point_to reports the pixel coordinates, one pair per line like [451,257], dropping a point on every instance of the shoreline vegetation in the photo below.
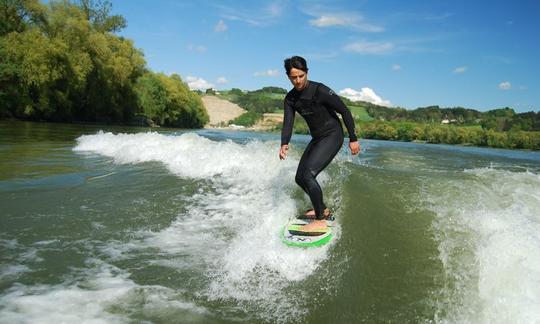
[498,128]
[63,62]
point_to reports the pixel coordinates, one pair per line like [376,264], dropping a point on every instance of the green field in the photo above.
[360,113]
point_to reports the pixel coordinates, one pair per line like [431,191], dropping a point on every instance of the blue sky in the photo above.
[474,54]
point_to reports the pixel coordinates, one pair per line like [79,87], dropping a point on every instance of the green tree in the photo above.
[152,97]
[236,92]
[246,119]
[98,13]
[405,132]
[168,101]
[185,107]
[18,15]
[65,67]
[497,139]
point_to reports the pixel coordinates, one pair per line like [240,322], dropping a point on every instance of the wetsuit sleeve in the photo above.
[330,99]
[288,121]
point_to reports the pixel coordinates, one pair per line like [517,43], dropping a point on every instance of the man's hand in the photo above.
[355,147]
[283,151]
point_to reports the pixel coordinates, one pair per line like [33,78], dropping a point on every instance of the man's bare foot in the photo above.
[314,226]
[310,213]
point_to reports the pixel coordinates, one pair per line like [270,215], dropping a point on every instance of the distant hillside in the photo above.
[270,100]
[503,119]
[500,128]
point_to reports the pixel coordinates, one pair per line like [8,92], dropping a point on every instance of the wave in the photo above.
[104,296]
[230,229]
[488,228]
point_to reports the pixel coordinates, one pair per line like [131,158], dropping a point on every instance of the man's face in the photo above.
[298,79]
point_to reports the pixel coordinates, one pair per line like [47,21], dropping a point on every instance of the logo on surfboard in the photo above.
[302,239]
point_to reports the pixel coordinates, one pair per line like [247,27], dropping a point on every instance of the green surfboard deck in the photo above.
[298,239]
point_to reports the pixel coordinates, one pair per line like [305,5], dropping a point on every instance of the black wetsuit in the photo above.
[318,105]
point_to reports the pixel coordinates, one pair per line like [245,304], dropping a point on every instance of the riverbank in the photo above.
[222,111]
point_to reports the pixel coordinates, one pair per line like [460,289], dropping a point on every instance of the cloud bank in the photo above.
[365,94]
[195,83]
[324,18]
[255,15]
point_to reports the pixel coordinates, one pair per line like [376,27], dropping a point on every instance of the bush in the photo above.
[247,119]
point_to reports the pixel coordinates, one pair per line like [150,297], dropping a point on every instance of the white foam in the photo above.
[8,271]
[232,226]
[106,296]
[187,155]
[25,256]
[489,232]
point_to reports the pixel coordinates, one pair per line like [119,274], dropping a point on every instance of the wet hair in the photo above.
[296,62]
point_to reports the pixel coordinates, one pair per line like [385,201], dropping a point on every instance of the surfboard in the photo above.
[292,236]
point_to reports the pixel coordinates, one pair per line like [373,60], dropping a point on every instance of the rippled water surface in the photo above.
[122,225]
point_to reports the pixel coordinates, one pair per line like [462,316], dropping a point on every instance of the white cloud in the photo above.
[195,83]
[396,67]
[327,21]
[506,85]
[461,69]
[267,73]
[326,18]
[222,80]
[220,27]
[365,94]
[197,48]
[363,47]
[256,15]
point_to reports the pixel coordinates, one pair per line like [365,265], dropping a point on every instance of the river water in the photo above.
[124,225]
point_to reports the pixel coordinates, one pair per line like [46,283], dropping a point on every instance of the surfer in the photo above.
[318,105]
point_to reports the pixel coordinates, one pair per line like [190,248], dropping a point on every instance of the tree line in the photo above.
[256,103]
[449,134]
[62,61]
[503,119]
[259,101]
[499,128]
